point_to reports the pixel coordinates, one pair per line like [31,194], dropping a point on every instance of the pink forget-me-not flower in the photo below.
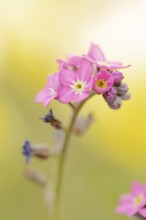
[133,203]
[76,84]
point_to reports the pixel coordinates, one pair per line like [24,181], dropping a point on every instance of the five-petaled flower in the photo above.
[103,81]
[76,84]
[133,203]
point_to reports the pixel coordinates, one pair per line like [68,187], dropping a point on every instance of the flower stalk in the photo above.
[63,157]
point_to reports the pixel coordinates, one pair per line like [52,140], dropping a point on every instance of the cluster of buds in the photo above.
[116,94]
[80,76]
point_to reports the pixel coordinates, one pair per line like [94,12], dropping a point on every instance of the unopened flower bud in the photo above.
[82,124]
[27,151]
[126,96]
[36,177]
[122,89]
[116,104]
[49,118]
[118,77]
[41,151]
[110,95]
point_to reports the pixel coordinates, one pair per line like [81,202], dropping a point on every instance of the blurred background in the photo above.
[101,164]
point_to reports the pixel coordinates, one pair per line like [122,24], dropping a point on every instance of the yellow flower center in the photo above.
[101,83]
[138,200]
[79,86]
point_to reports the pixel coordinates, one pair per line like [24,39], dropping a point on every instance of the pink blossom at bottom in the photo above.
[134,202]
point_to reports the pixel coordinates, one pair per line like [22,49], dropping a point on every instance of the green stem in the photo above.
[63,156]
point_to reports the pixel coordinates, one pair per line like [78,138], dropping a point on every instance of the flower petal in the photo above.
[96,53]
[40,97]
[85,71]
[48,99]
[66,94]
[115,64]
[143,212]
[80,96]
[53,81]
[137,188]
[67,77]
[75,60]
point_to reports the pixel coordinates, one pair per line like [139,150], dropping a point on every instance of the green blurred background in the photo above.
[100,164]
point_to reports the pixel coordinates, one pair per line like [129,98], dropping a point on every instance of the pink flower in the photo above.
[134,202]
[96,56]
[103,81]
[50,91]
[76,84]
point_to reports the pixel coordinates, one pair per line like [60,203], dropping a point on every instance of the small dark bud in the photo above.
[126,96]
[116,104]
[27,151]
[110,95]
[122,89]
[49,118]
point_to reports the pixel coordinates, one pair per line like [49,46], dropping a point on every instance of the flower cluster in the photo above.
[134,203]
[80,76]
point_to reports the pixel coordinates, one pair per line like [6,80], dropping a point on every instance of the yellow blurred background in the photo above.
[102,163]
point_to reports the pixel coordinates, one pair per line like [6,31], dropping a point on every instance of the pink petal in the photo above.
[137,188]
[48,100]
[40,97]
[53,81]
[115,64]
[124,208]
[75,60]
[126,198]
[67,77]
[85,71]
[80,96]
[132,211]
[96,53]
[143,212]
[66,94]
[89,84]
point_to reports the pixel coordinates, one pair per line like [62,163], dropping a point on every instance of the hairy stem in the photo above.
[63,156]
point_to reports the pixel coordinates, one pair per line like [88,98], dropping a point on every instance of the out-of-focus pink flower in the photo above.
[103,82]
[76,84]
[96,56]
[50,91]
[134,202]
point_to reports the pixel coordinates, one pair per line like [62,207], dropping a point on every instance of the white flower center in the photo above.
[78,86]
